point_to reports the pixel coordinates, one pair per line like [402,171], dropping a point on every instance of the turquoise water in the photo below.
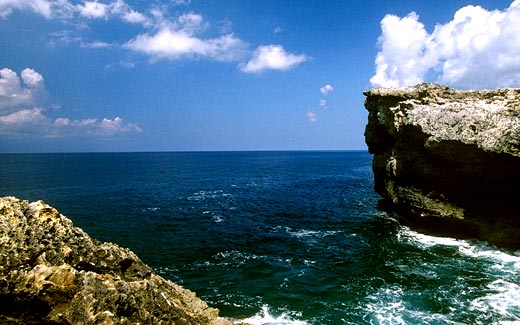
[274,237]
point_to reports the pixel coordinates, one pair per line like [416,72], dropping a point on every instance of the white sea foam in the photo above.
[207,195]
[264,317]
[504,299]
[426,241]
[235,258]
[304,233]
[503,290]
[478,250]
[154,209]
[386,306]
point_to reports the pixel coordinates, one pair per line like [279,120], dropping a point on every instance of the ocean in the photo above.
[274,237]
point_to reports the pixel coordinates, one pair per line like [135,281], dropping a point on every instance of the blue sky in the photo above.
[231,75]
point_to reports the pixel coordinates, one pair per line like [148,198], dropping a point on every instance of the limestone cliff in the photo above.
[53,273]
[449,160]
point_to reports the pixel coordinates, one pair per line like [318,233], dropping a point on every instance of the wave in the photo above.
[488,287]
[265,317]
[502,299]
[207,195]
[389,306]
[304,234]
[472,249]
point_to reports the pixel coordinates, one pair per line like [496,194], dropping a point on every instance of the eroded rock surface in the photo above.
[449,160]
[53,273]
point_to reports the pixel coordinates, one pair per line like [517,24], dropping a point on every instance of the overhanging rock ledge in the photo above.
[448,160]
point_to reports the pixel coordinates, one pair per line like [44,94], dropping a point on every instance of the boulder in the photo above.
[448,161]
[53,273]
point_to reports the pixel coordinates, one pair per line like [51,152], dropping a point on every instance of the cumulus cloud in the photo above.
[32,78]
[46,8]
[24,116]
[25,122]
[93,9]
[175,40]
[16,92]
[16,119]
[272,57]
[326,89]
[118,8]
[104,127]
[134,17]
[163,38]
[65,9]
[476,49]
[171,44]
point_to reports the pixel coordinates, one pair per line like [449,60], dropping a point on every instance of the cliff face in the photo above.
[54,273]
[449,160]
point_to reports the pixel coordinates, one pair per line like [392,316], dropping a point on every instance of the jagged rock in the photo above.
[53,273]
[449,160]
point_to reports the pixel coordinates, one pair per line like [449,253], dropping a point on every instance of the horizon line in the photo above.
[185,151]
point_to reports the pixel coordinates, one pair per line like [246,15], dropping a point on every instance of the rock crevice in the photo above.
[449,160]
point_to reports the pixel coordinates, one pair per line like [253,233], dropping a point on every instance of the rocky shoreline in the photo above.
[448,160]
[53,273]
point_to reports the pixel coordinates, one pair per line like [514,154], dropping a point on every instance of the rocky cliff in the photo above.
[53,273]
[449,160]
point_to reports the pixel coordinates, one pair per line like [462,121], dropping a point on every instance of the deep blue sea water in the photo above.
[274,237]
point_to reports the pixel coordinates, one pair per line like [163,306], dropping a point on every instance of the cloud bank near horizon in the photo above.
[476,49]
[19,93]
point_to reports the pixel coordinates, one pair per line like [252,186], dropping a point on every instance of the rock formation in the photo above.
[53,273]
[449,160]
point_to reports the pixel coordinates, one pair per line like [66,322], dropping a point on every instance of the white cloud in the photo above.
[14,93]
[25,122]
[46,8]
[93,9]
[272,57]
[24,116]
[326,89]
[9,84]
[65,9]
[96,44]
[477,49]
[163,38]
[178,39]
[180,2]
[312,116]
[32,78]
[118,8]
[16,119]
[125,63]
[110,127]
[134,17]
[104,127]
[191,23]
[171,43]
[323,104]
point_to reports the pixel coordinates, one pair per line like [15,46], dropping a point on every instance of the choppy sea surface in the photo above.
[274,237]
